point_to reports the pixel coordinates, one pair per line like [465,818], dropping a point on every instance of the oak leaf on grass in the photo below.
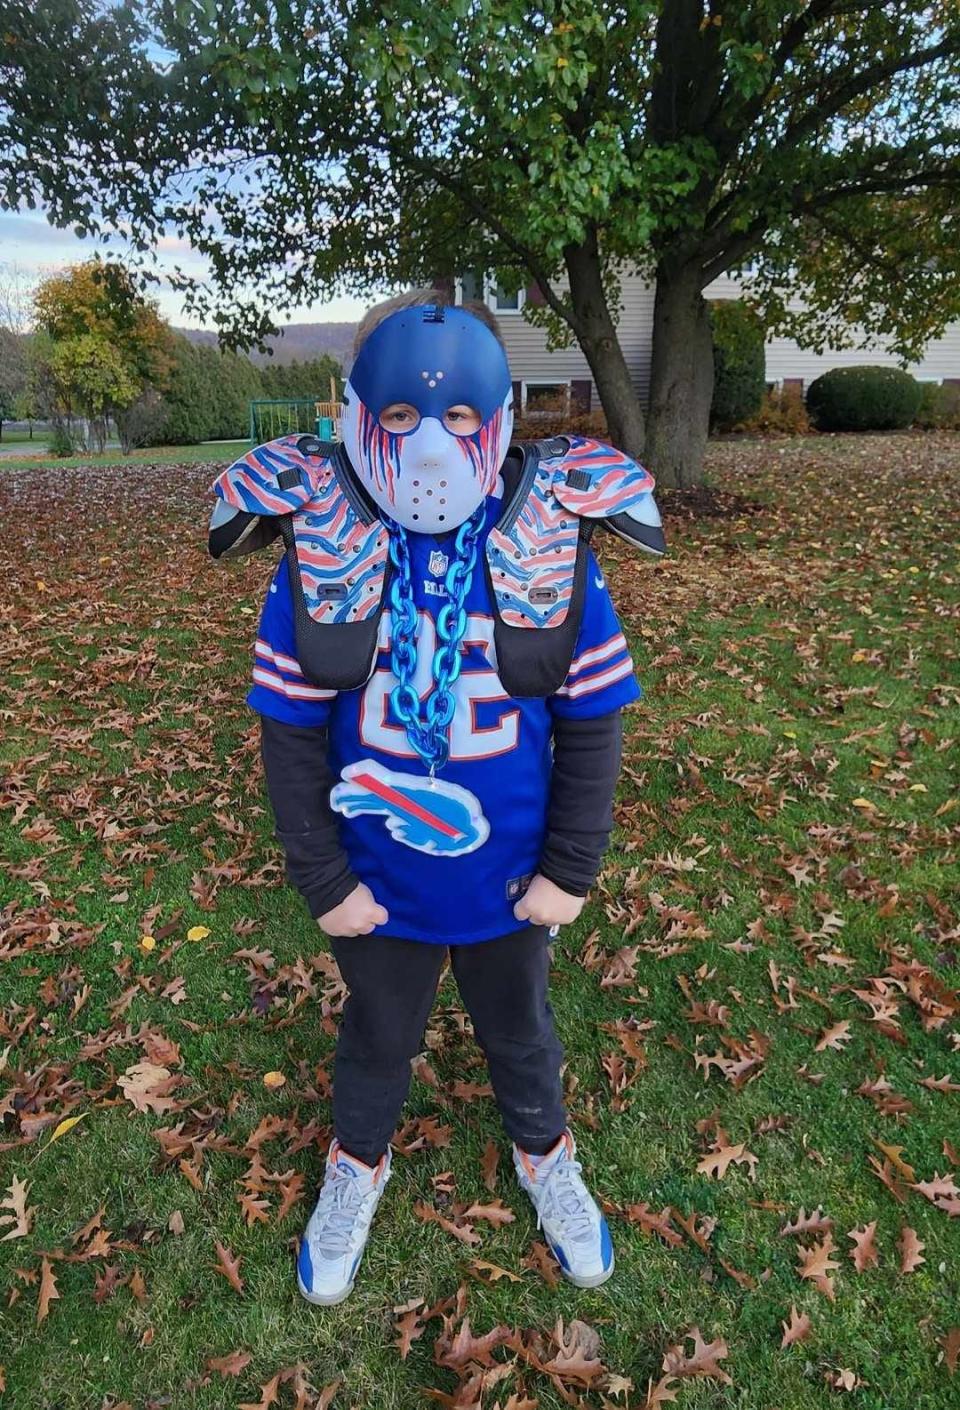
[20,1217]
[911,1249]
[797,1329]
[48,1290]
[702,1361]
[864,1252]
[228,1266]
[817,1265]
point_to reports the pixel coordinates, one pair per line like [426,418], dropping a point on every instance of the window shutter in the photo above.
[517,398]
[580,396]
[446,283]
[534,294]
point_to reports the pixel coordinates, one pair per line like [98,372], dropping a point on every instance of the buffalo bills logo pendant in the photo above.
[426,814]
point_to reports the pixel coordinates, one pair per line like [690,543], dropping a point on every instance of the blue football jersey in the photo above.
[448,861]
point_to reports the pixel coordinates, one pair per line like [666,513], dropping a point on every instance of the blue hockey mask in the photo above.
[428,415]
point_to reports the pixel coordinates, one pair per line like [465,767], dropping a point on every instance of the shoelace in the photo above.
[563,1198]
[341,1201]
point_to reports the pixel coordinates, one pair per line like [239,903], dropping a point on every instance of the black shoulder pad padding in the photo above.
[244,533]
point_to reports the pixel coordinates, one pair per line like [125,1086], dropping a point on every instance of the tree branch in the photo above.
[859,84]
[748,240]
[491,221]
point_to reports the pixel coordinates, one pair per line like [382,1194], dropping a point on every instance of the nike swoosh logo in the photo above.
[598,582]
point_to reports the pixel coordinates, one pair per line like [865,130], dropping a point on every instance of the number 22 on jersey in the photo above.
[486,721]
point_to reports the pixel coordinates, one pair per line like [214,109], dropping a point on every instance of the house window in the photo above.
[545,398]
[470,285]
[502,302]
[473,284]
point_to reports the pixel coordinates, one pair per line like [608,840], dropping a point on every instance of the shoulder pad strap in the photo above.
[595,480]
[278,477]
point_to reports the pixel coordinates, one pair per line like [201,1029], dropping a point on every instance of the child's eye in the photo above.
[399,416]
[463,420]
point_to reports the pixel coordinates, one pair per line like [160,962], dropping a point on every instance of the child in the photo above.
[437,780]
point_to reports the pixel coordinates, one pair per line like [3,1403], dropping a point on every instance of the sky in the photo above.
[34,247]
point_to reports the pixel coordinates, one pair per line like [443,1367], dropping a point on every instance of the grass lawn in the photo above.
[11,437]
[759,1005]
[212,452]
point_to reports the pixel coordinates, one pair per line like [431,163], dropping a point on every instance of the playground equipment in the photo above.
[287,416]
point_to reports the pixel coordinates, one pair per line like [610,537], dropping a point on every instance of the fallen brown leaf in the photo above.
[864,1252]
[228,1267]
[702,1361]
[48,1290]
[910,1248]
[21,1217]
[798,1328]
[230,1365]
[816,1264]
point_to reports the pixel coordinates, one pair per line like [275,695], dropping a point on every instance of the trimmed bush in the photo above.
[939,407]
[739,363]
[782,414]
[554,418]
[864,398]
[61,441]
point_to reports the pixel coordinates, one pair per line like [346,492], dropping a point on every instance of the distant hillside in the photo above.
[298,340]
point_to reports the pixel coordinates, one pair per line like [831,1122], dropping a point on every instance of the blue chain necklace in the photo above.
[429,736]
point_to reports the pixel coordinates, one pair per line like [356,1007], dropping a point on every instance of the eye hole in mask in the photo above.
[400,418]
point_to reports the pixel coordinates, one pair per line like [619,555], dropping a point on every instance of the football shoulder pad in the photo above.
[336,552]
[596,481]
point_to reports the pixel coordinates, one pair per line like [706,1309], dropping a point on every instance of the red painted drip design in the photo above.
[405,804]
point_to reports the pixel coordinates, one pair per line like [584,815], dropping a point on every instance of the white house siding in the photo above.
[941,359]
[530,361]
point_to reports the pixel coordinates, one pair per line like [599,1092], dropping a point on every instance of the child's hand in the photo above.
[357,914]
[545,904]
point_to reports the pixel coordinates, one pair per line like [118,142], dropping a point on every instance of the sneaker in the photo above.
[336,1235]
[571,1220]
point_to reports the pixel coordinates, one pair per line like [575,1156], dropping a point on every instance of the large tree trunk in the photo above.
[597,335]
[681,379]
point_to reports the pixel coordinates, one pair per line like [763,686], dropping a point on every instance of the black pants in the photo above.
[392,983]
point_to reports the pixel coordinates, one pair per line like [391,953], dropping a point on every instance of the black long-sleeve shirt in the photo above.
[586,764]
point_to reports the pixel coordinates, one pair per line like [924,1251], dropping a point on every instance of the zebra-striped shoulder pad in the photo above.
[532,551]
[337,553]
[278,477]
[595,480]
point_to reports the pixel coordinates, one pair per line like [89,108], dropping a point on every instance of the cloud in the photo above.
[37,248]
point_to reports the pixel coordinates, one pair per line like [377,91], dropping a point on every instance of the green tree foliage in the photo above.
[13,375]
[307,378]
[555,144]
[739,362]
[107,343]
[234,382]
[188,398]
[864,398]
[209,392]
[91,374]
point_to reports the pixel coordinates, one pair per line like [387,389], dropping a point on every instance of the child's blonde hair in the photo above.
[410,299]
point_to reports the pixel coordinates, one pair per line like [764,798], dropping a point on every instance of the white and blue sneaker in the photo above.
[336,1234]
[571,1220]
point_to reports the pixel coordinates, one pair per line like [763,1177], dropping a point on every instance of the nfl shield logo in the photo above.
[438,563]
